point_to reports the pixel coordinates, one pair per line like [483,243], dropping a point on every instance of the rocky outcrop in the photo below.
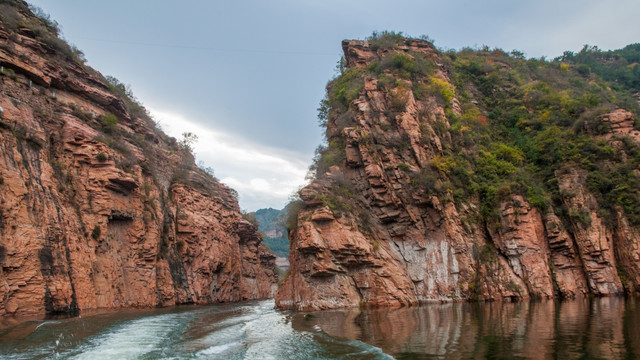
[384,227]
[98,208]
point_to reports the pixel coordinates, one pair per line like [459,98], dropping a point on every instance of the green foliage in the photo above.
[80,114]
[291,210]
[115,143]
[327,156]
[521,122]
[95,233]
[619,66]
[284,277]
[323,112]
[617,185]
[279,245]
[188,141]
[487,254]
[404,167]
[101,157]
[404,65]
[10,74]
[443,89]
[15,14]
[580,216]
[134,107]
[270,221]
[541,117]
[109,123]
[399,98]
[345,88]
[385,40]
[251,217]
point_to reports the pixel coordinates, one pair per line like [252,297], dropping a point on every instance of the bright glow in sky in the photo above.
[263,176]
[246,76]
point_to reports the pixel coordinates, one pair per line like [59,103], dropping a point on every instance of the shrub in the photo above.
[251,217]
[443,89]
[109,123]
[81,114]
[385,40]
[345,88]
[101,157]
[188,141]
[10,74]
[95,233]
[399,98]
[580,216]
[583,69]
[292,210]
[404,65]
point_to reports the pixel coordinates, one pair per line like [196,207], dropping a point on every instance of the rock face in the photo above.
[98,208]
[377,229]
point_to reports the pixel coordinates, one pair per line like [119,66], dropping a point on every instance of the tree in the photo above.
[188,140]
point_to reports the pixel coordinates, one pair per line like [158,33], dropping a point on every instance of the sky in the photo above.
[247,76]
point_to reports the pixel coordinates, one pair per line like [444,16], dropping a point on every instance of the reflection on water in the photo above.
[599,328]
[583,329]
[249,330]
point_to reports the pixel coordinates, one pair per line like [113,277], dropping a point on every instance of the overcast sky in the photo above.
[247,76]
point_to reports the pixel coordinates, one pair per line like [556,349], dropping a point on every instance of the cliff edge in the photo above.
[470,175]
[98,207]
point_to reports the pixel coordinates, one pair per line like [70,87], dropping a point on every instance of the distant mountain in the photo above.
[275,233]
[270,224]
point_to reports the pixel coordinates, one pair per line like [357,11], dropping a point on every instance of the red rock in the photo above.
[396,245]
[90,220]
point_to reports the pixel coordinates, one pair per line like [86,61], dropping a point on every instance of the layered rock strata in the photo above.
[366,235]
[100,209]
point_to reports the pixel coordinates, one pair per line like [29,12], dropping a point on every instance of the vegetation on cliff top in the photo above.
[515,123]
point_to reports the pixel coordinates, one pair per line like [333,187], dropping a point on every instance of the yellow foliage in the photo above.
[446,90]
[442,164]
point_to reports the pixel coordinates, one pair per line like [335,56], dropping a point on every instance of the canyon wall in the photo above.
[99,208]
[404,209]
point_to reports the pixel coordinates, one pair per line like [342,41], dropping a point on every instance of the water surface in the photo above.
[606,328]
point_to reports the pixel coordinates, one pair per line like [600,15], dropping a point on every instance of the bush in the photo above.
[385,40]
[443,89]
[109,123]
[101,157]
[95,234]
[580,216]
[405,65]
[399,98]
[345,88]
[291,210]
[251,217]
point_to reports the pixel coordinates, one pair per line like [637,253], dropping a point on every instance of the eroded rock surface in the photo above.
[380,229]
[100,215]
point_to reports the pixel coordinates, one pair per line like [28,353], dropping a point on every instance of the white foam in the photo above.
[219,349]
[131,340]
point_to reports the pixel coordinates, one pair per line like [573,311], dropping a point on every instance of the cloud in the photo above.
[263,176]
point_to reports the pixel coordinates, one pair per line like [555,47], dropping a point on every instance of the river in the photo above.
[581,329]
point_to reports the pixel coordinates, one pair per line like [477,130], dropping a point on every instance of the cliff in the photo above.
[470,175]
[99,208]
